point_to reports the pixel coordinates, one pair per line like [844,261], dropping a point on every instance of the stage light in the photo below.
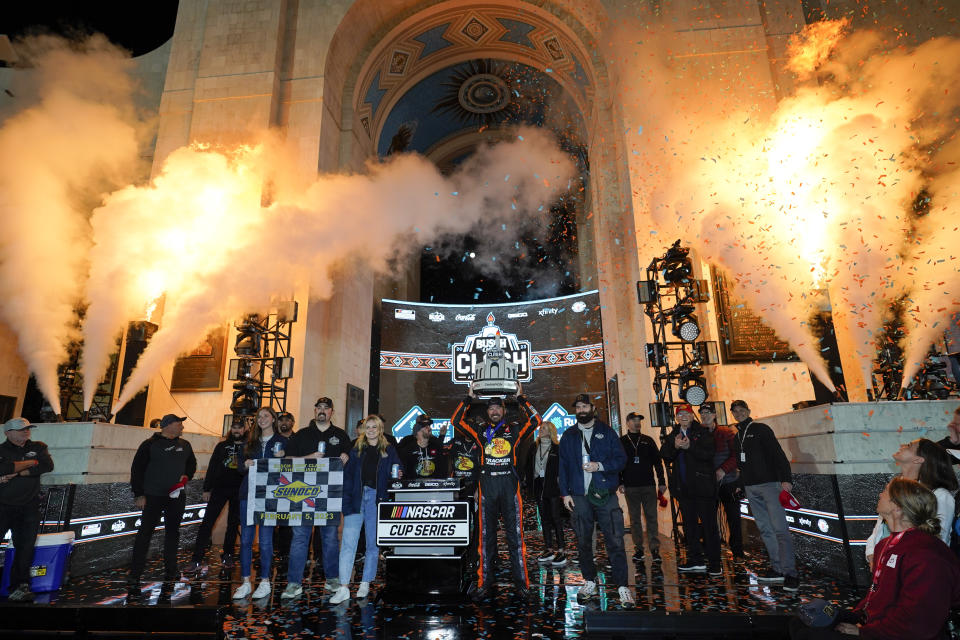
[685,324]
[246,398]
[282,368]
[660,414]
[647,291]
[656,356]
[693,387]
[676,264]
[707,352]
[248,337]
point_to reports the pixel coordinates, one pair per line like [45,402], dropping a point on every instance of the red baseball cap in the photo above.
[683,407]
[788,501]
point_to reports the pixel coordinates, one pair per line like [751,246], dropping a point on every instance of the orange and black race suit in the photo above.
[499,490]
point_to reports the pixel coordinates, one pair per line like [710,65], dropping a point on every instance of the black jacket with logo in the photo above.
[159,464]
[643,459]
[307,441]
[21,489]
[226,469]
[694,477]
[463,455]
[412,455]
[762,459]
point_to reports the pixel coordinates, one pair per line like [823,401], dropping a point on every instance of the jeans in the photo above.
[610,518]
[172,511]
[218,498]
[731,507]
[247,532]
[300,547]
[366,519]
[772,522]
[23,523]
[645,499]
[550,517]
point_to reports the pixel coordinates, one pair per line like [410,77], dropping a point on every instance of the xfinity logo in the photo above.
[436,316]
[466,317]
[549,311]
[468,355]
[405,314]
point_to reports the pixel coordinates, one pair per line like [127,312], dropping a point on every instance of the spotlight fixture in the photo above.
[693,386]
[246,398]
[248,337]
[707,352]
[676,264]
[647,291]
[660,414]
[685,324]
[656,355]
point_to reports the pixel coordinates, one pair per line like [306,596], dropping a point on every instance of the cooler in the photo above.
[50,560]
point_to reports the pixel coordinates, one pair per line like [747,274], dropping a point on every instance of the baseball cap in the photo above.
[818,613]
[423,420]
[324,400]
[495,400]
[634,414]
[582,397]
[170,419]
[707,406]
[16,424]
[683,407]
[788,501]
[284,414]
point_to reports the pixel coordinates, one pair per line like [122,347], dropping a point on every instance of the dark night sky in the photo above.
[137,26]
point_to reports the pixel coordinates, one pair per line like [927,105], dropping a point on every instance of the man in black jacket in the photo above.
[638,486]
[690,447]
[161,468]
[421,453]
[765,471]
[221,488]
[22,462]
[319,439]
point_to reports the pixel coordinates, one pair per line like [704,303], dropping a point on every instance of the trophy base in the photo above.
[491,388]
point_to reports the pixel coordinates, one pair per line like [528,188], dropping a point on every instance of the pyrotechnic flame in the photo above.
[812,47]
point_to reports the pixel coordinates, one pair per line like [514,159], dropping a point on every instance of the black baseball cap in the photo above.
[423,420]
[707,406]
[284,414]
[584,398]
[495,400]
[170,419]
[818,613]
[324,400]
[634,414]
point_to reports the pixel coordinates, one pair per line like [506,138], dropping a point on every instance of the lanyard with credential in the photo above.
[881,562]
[491,431]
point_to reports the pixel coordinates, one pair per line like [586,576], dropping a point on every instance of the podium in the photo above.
[429,530]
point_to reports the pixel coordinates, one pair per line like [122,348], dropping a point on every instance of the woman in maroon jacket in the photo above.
[916,578]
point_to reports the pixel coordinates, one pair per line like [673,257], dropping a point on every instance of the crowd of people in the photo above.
[503,451]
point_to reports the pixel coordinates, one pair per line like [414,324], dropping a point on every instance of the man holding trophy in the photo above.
[499,486]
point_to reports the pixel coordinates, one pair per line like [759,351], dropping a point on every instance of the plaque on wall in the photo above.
[202,368]
[743,335]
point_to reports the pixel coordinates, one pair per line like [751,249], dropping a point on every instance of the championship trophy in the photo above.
[496,376]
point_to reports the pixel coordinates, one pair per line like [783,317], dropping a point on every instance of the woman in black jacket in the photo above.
[542,469]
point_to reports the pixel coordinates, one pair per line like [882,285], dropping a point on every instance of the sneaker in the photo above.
[638,555]
[546,557]
[692,567]
[341,595]
[791,583]
[715,570]
[626,598]
[243,590]
[363,591]
[21,594]
[263,589]
[333,585]
[559,560]
[769,575]
[588,590]
[293,590]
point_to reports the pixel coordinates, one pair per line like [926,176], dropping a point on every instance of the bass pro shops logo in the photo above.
[296,491]
[468,355]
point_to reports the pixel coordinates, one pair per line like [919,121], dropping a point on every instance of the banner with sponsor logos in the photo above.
[294,491]
[429,353]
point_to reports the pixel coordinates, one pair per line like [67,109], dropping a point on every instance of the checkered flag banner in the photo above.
[295,491]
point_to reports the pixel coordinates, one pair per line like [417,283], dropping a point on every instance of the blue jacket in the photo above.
[353,479]
[605,448]
[258,453]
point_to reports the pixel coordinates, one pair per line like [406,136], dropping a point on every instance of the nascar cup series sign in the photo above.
[423,524]
[468,355]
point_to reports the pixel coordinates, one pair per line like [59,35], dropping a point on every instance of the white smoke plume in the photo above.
[69,131]
[199,235]
[809,194]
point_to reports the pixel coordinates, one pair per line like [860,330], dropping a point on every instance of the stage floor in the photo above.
[555,613]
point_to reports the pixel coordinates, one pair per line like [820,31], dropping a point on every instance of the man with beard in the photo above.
[321,433]
[421,453]
[591,459]
[220,488]
[285,424]
[499,487]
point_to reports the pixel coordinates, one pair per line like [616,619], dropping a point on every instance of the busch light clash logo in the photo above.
[468,355]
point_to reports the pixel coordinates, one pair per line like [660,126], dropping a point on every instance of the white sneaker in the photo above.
[342,595]
[588,590]
[263,589]
[332,585]
[243,590]
[363,591]
[292,591]
[626,598]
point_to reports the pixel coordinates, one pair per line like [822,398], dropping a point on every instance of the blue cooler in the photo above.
[50,560]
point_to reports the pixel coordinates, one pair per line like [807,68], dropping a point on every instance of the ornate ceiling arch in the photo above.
[446,34]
